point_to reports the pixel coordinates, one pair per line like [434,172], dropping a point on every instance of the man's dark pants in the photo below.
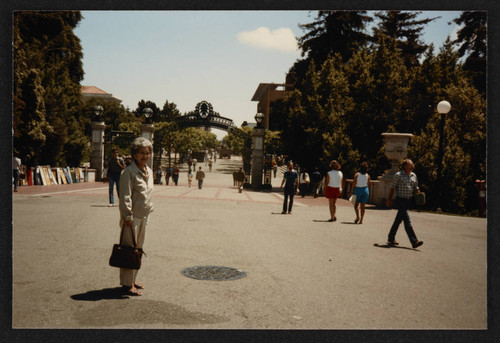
[288,193]
[15,173]
[402,205]
[114,178]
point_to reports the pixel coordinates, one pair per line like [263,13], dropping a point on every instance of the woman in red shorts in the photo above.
[333,188]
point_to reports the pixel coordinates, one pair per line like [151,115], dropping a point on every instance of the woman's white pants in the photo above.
[127,276]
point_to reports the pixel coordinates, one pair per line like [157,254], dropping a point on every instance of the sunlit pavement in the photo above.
[301,271]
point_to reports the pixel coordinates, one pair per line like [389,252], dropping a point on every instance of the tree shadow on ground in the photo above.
[387,246]
[102,294]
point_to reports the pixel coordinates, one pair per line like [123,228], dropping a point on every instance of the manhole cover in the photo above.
[214,273]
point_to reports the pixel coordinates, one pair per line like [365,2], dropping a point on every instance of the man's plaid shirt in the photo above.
[405,185]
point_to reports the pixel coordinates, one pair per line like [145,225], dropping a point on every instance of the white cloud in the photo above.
[280,39]
[454,33]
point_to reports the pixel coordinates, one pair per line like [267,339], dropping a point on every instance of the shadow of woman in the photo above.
[102,294]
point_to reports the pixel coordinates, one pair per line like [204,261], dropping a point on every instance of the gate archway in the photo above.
[204,116]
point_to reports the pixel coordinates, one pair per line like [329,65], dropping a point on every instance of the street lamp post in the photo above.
[98,126]
[257,151]
[147,129]
[443,108]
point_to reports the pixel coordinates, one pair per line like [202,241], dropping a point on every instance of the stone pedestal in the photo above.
[257,157]
[147,131]
[396,149]
[97,156]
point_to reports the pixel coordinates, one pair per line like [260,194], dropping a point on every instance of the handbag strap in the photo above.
[133,235]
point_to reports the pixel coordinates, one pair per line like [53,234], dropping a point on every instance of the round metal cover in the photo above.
[214,273]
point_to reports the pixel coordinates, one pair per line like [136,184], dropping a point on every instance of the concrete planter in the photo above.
[396,149]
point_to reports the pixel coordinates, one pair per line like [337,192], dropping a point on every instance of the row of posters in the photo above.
[45,175]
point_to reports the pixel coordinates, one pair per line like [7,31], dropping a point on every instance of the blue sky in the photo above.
[189,56]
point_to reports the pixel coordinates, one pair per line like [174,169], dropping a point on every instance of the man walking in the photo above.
[316,180]
[115,167]
[291,181]
[200,175]
[239,177]
[405,184]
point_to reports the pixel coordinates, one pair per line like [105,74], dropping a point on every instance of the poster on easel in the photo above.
[82,175]
[37,177]
[74,172]
[60,174]
[52,177]
[67,174]
[44,176]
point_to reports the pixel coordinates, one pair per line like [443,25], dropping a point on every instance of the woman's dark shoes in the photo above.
[393,242]
[417,244]
[356,221]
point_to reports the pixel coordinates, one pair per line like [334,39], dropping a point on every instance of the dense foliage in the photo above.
[47,120]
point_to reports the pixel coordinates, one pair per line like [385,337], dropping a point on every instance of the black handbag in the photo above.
[125,256]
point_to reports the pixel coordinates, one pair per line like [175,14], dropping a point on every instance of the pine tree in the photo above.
[379,86]
[402,28]
[333,32]
[472,39]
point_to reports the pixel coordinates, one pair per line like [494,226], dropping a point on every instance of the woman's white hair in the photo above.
[140,142]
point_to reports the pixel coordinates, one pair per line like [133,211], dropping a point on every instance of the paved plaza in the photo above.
[302,272]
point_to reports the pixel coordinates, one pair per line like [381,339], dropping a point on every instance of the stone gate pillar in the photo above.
[97,157]
[257,156]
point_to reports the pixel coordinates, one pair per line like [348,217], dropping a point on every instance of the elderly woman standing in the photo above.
[136,187]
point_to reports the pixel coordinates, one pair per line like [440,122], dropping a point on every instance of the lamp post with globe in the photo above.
[147,129]
[98,126]
[443,108]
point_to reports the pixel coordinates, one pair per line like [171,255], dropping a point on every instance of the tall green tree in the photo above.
[170,111]
[45,45]
[405,30]
[472,41]
[332,32]
[378,82]
[316,128]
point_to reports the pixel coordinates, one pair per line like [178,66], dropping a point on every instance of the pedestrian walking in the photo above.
[239,177]
[315,181]
[210,165]
[275,167]
[16,170]
[190,177]
[195,161]
[361,189]
[200,176]
[304,181]
[168,173]
[405,185]
[115,167]
[175,174]
[333,188]
[136,188]
[158,175]
[291,181]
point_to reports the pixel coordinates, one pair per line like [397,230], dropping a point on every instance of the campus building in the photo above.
[92,92]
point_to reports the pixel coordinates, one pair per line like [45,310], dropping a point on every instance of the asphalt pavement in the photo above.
[302,272]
